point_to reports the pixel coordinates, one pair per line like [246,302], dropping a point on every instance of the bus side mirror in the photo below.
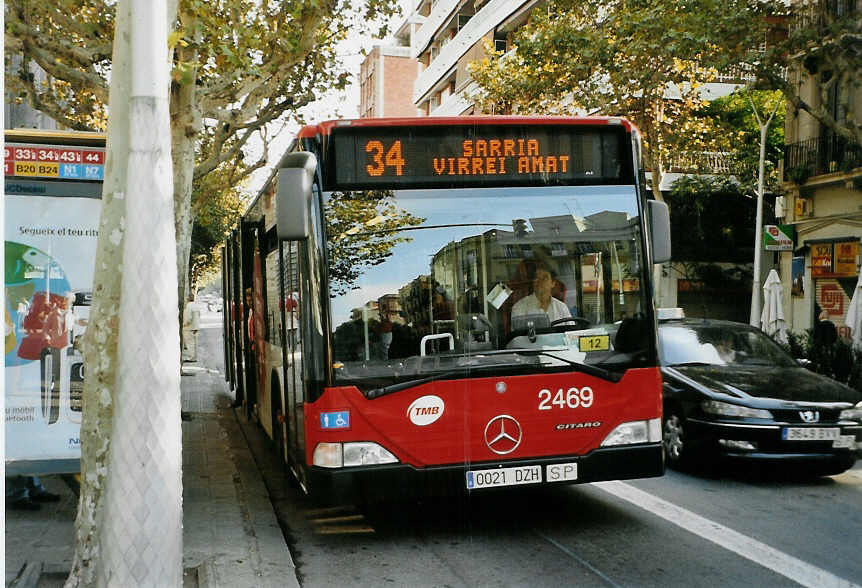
[659,219]
[293,199]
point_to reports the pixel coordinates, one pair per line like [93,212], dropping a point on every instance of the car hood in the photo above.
[780,383]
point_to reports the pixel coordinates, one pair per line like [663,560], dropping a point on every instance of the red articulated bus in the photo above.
[451,304]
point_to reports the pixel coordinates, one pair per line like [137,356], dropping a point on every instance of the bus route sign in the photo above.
[391,156]
[54,161]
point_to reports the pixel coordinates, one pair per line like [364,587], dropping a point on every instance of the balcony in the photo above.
[820,14]
[816,157]
[703,162]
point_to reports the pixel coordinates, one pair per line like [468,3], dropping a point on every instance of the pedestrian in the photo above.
[27,493]
[825,332]
[825,337]
[385,336]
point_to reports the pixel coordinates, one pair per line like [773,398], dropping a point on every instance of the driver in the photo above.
[541,300]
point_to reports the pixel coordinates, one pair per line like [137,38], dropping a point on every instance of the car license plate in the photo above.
[810,433]
[504,477]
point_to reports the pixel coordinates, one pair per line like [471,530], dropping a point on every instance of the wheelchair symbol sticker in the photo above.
[335,420]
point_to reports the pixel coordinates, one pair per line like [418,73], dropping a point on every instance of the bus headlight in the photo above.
[634,432]
[328,455]
[366,453]
[357,453]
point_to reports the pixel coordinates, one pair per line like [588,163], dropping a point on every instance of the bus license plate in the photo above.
[504,477]
[810,433]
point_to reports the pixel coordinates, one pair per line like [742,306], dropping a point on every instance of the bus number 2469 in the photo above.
[571,398]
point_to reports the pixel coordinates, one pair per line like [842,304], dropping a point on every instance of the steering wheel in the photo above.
[580,322]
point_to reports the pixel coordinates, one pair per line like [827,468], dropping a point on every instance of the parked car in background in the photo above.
[732,393]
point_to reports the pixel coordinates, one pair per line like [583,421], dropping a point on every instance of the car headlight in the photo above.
[733,410]
[634,432]
[851,414]
[336,455]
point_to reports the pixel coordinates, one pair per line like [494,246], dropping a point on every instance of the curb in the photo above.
[29,575]
[275,557]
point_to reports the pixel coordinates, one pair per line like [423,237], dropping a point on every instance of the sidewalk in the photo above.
[230,533]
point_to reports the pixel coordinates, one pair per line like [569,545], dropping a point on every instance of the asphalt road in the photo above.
[704,529]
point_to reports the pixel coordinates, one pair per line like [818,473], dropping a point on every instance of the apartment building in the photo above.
[453,34]
[822,180]
[387,74]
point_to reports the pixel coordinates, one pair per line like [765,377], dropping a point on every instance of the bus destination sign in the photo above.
[393,157]
[54,161]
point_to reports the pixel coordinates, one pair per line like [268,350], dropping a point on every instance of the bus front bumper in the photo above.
[400,481]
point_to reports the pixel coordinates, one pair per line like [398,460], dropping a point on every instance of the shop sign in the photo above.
[845,258]
[778,237]
[834,260]
[821,260]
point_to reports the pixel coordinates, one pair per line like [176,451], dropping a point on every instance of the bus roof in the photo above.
[324,128]
[55,137]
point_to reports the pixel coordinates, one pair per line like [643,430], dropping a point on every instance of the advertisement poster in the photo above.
[821,260]
[846,253]
[50,247]
[797,288]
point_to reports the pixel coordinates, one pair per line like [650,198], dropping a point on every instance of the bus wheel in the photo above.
[673,440]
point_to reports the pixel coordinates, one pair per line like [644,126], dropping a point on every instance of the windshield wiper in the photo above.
[383,391]
[693,364]
[494,368]
[581,367]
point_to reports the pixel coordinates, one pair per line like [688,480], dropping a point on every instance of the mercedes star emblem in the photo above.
[502,434]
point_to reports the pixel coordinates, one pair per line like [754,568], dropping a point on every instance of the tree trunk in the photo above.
[142,523]
[185,126]
[101,353]
[100,346]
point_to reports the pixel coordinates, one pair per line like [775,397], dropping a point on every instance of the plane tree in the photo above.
[238,66]
[648,60]
[819,40]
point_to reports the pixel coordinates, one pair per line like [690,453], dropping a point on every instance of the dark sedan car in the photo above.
[731,392]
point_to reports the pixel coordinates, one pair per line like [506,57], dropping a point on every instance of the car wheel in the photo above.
[673,440]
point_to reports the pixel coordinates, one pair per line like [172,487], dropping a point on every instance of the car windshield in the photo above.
[718,344]
[427,281]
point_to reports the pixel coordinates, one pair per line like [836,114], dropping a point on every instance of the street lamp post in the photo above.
[754,318]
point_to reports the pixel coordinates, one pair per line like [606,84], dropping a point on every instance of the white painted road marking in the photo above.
[760,553]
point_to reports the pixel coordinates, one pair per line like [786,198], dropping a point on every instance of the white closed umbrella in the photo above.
[772,318]
[854,314]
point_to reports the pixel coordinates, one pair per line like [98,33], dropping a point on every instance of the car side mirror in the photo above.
[659,222]
[293,196]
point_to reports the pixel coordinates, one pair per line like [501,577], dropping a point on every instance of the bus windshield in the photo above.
[485,281]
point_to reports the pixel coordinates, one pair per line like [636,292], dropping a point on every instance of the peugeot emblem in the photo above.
[809,416]
[502,434]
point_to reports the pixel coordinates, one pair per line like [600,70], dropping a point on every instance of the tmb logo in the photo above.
[425,410]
